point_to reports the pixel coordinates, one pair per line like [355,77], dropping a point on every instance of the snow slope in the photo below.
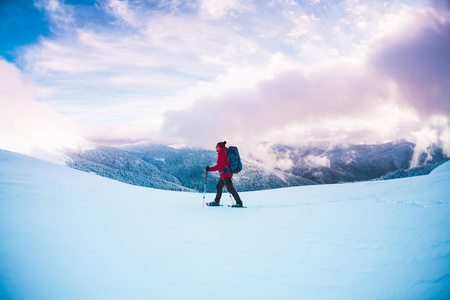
[66,234]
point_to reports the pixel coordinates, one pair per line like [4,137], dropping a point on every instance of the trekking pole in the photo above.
[231,199]
[204,193]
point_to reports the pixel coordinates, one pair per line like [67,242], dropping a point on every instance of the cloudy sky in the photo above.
[195,72]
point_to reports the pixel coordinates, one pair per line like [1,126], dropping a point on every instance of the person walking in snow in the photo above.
[222,167]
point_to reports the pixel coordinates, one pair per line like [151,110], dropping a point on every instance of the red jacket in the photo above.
[222,163]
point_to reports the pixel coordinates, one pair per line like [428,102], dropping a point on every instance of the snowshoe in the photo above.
[237,205]
[213,203]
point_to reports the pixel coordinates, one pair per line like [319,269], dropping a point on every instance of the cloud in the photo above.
[217,9]
[435,132]
[317,161]
[132,50]
[292,101]
[26,125]
[60,15]
[417,59]
[122,12]
[119,133]
[142,53]
[399,87]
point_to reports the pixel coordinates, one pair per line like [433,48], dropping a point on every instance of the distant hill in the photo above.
[417,171]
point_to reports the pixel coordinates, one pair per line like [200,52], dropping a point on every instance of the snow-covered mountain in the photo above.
[66,234]
[169,168]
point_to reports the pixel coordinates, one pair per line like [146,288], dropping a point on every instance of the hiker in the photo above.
[225,176]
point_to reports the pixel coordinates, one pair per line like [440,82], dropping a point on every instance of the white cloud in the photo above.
[317,161]
[217,9]
[26,125]
[119,133]
[435,132]
[122,11]
[371,99]
[341,96]
[156,64]
[59,14]
[416,57]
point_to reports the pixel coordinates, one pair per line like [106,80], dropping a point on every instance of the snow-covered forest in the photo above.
[169,168]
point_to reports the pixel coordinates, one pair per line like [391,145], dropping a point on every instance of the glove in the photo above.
[207,168]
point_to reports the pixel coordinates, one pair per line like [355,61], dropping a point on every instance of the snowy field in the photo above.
[65,234]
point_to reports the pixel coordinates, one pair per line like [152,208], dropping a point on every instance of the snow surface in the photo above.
[66,234]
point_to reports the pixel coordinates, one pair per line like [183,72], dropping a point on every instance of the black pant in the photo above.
[226,181]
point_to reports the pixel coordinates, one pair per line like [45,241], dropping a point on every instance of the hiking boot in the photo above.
[237,205]
[214,203]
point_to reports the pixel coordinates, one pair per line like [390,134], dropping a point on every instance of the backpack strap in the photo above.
[227,169]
